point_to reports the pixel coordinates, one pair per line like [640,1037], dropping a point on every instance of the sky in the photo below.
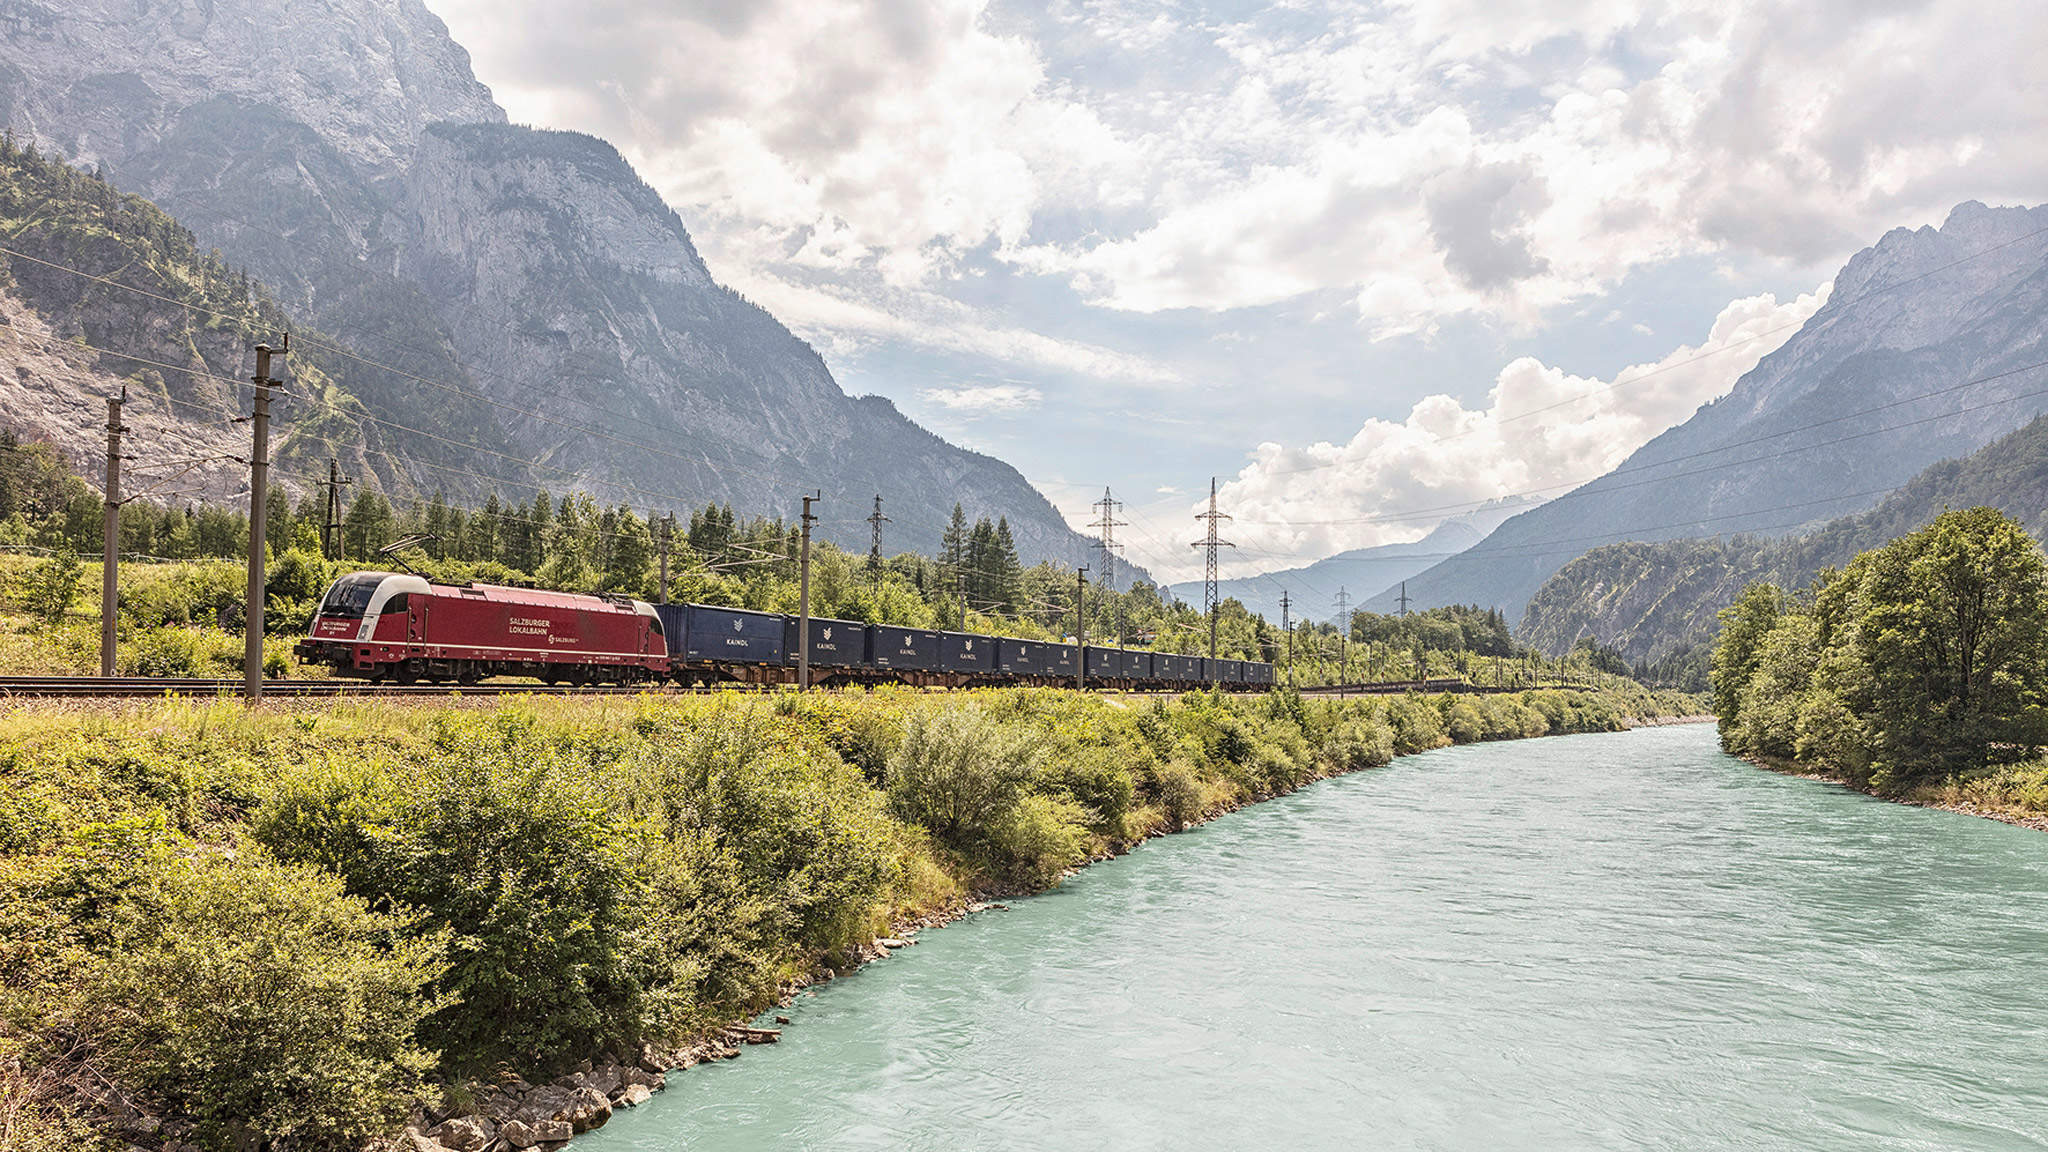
[1368,264]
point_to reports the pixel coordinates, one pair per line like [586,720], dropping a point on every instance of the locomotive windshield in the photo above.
[350,596]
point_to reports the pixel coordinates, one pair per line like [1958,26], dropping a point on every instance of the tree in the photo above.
[1953,627]
[1744,624]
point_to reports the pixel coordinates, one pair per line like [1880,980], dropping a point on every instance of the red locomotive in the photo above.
[386,625]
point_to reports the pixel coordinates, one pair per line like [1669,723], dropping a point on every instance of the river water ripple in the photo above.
[1627,941]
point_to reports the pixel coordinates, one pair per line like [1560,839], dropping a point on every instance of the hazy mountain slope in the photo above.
[357,166]
[171,325]
[1361,571]
[1649,599]
[1911,321]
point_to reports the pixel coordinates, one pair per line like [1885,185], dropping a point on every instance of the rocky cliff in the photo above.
[1928,348]
[526,312]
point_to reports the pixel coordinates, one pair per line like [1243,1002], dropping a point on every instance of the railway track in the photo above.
[1399,689]
[143,687]
[140,687]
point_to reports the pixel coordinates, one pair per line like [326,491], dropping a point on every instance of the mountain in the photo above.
[1930,346]
[1651,599]
[1313,588]
[523,311]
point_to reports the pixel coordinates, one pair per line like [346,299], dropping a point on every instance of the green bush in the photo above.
[49,588]
[959,774]
[264,1002]
[1417,725]
[1180,794]
[513,845]
[1041,838]
[1359,743]
[175,651]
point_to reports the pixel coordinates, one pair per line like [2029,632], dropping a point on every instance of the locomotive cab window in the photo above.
[350,596]
[398,603]
[654,623]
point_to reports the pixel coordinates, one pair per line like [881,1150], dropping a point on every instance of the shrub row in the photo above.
[286,925]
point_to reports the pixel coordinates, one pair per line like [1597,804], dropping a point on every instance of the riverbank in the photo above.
[2016,794]
[316,922]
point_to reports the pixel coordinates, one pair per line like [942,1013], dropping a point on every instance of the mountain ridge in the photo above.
[1911,320]
[479,268]
[1651,599]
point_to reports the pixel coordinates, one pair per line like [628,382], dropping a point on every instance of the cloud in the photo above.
[984,399]
[1425,159]
[1541,432]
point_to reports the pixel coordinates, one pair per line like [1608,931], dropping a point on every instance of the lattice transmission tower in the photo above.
[1211,601]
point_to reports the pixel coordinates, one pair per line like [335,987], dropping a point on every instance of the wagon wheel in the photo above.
[405,673]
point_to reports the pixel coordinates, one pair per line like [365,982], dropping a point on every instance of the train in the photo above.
[400,627]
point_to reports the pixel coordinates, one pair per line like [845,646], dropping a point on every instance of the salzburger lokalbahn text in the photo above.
[392,626]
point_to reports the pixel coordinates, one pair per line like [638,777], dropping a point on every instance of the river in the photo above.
[1625,941]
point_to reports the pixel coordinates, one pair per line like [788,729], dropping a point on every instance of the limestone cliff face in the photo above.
[109,78]
[1924,352]
[573,290]
[344,153]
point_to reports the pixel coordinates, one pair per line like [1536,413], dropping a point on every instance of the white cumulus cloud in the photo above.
[1541,432]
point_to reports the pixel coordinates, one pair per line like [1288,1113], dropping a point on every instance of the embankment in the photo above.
[310,925]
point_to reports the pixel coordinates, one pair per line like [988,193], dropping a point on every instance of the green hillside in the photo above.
[1654,600]
[176,323]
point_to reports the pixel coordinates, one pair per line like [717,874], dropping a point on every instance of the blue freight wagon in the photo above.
[1137,665]
[897,649]
[834,643]
[1059,661]
[1104,663]
[1024,657]
[966,653]
[698,632]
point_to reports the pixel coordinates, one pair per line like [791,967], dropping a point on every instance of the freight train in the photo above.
[400,627]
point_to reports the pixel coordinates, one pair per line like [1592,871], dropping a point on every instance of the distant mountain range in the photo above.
[1652,599]
[1933,343]
[1312,589]
[525,311]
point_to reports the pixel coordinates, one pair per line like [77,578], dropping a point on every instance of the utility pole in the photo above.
[1343,639]
[1403,598]
[1288,628]
[332,543]
[875,549]
[1210,599]
[665,540]
[110,560]
[803,601]
[1080,629]
[259,493]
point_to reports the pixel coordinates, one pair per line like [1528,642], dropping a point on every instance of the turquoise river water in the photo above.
[1627,941]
